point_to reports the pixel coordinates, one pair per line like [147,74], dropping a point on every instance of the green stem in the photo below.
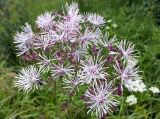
[54,95]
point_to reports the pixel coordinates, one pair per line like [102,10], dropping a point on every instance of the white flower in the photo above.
[105,41]
[96,19]
[154,89]
[131,100]
[101,99]
[29,79]
[24,39]
[136,85]
[45,21]
[92,69]
[128,52]
[60,70]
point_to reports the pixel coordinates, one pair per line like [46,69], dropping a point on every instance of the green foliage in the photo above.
[136,21]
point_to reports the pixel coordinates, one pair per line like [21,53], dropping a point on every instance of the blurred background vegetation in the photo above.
[135,20]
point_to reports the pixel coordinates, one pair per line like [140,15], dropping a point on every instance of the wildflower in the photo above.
[44,61]
[70,24]
[77,55]
[72,9]
[58,36]
[130,72]
[92,69]
[45,21]
[135,85]
[131,100]
[68,45]
[101,99]
[73,16]
[29,79]
[128,52]
[72,82]
[95,35]
[96,19]
[90,36]
[154,89]
[59,70]
[105,41]
[44,41]
[24,39]
[67,31]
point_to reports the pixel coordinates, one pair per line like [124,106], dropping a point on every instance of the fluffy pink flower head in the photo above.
[101,99]
[93,70]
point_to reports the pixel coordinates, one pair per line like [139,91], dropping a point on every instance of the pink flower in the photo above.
[93,70]
[129,72]
[24,40]
[106,41]
[61,71]
[44,41]
[72,83]
[45,21]
[45,62]
[77,55]
[128,52]
[96,19]
[101,99]
[90,36]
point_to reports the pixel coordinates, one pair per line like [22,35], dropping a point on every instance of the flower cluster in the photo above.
[72,47]
[131,100]
[154,89]
[136,85]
